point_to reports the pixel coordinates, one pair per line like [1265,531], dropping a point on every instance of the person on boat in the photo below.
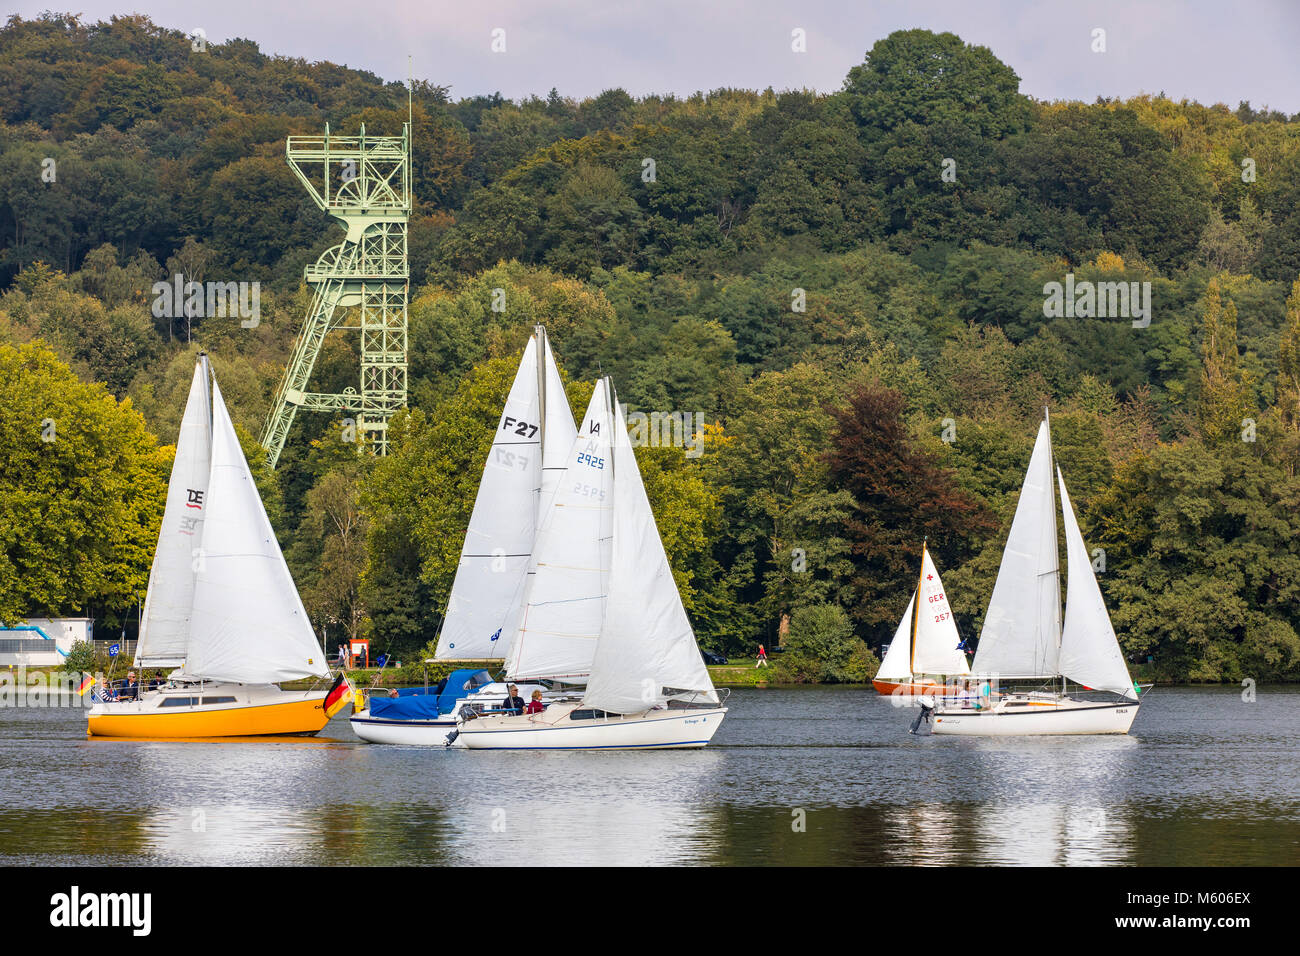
[535,706]
[131,689]
[967,696]
[513,704]
[762,656]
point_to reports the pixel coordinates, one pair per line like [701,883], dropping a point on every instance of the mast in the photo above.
[539,333]
[207,387]
[1056,551]
[916,607]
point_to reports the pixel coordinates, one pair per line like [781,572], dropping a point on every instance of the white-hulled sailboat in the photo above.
[604,606]
[221,605]
[1023,637]
[926,644]
[528,455]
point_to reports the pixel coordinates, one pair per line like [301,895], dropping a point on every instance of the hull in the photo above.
[909,688]
[429,733]
[555,729]
[419,733]
[1035,718]
[188,713]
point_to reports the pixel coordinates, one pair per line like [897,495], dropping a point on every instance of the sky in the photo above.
[1222,51]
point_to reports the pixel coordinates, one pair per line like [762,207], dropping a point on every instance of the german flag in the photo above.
[86,684]
[339,694]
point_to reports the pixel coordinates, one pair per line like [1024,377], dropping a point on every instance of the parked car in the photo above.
[711,658]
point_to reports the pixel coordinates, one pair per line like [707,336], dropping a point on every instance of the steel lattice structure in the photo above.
[362,283]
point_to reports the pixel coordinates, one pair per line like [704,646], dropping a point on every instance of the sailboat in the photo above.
[603,608]
[926,642]
[1024,639]
[532,439]
[221,606]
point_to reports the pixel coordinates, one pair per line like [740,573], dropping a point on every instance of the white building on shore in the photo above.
[42,641]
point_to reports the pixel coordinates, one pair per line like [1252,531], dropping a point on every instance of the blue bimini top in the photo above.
[416,703]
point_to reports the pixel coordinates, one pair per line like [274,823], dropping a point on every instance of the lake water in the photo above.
[818,775]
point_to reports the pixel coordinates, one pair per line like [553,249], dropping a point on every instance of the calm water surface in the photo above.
[1204,779]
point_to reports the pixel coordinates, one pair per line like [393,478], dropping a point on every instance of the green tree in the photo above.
[1224,396]
[82,485]
[1203,561]
[329,551]
[821,647]
[1288,372]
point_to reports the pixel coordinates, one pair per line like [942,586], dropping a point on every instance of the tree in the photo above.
[821,647]
[925,101]
[1223,401]
[1101,179]
[330,548]
[1288,371]
[1203,561]
[901,495]
[916,76]
[768,465]
[82,486]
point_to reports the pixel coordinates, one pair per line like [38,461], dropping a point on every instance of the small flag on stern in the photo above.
[86,684]
[340,693]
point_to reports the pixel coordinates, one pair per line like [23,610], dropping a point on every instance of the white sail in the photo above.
[249,625]
[935,649]
[561,619]
[1090,653]
[558,435]
[647,653]
[487,593]
[896,666]
[165,625]
[1022,627]
[558,429]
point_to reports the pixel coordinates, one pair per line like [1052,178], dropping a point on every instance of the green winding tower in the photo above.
[362,283]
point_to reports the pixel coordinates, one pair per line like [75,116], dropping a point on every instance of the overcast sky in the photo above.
[1220,51]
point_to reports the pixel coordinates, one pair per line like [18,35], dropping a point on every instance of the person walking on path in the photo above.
[762,656]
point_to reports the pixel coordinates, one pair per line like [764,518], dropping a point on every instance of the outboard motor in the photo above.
[927,712]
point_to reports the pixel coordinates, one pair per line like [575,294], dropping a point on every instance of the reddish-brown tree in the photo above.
[903,495]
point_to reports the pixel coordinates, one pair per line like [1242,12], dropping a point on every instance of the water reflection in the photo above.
[1051,835]
[924,834]
[801,777]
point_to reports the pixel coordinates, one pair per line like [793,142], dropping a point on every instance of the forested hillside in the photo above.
[850,289]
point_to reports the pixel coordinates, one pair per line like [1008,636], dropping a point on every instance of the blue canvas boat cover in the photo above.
[416,703]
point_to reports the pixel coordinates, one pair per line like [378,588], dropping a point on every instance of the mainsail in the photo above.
[533,438]
[646,654]
[248,624]
[1022,627]
[561,619]
[165,625]
[935,649]
[499,541]
[1090,653]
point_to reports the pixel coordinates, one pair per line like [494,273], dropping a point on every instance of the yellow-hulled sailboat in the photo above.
[222,607]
